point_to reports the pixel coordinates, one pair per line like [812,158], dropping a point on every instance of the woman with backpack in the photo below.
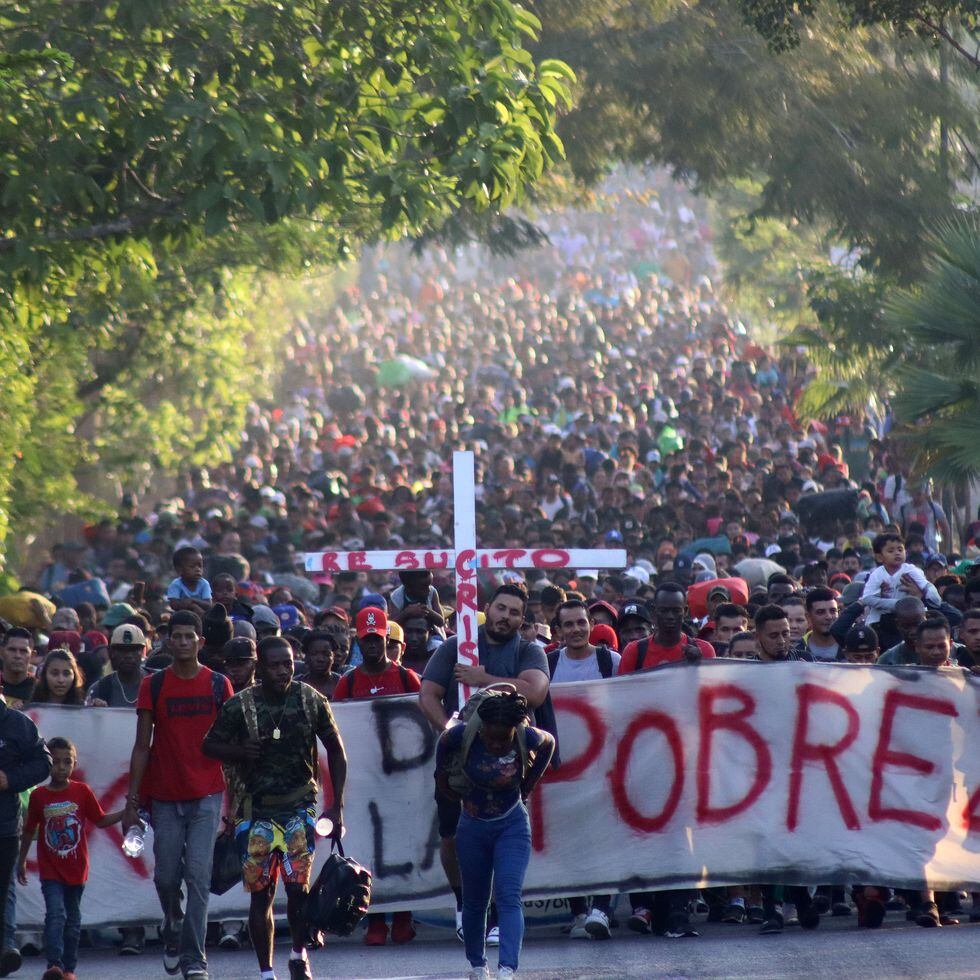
[491,762]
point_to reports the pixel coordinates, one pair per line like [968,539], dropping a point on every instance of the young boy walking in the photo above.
[61,810]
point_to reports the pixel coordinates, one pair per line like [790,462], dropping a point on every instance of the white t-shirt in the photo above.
[568,669]
[881,590]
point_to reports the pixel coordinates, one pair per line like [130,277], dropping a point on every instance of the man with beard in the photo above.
[503,657]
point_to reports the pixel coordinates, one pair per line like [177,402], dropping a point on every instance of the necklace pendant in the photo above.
[275,734]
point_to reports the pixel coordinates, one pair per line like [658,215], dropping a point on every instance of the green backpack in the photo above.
[469,716]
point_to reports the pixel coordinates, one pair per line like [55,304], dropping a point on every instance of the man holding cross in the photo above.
[503,656]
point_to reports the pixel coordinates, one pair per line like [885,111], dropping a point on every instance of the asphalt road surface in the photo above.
[838,948]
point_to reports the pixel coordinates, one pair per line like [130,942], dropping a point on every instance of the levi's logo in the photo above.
[188,707]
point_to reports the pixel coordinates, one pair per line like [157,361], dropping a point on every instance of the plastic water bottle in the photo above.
[133,842]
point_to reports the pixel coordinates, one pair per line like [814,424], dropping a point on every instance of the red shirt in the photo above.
[657,654]
[358,684]
[184,712]
[62,845]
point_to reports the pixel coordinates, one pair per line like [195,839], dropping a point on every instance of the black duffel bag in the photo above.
[815,509]
[226,869]
[340,896]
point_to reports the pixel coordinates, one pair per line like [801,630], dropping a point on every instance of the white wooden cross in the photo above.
[465,558]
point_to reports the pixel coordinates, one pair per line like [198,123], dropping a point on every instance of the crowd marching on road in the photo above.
[611,400]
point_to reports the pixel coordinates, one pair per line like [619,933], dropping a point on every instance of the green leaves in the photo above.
[154,157]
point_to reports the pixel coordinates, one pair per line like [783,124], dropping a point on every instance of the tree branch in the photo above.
[941,31]
[105,229]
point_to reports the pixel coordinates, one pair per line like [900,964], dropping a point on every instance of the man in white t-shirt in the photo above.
[578,660]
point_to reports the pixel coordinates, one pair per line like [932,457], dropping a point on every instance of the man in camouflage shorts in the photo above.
[270,732]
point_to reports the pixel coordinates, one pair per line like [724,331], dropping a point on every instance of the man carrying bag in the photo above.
[270,733]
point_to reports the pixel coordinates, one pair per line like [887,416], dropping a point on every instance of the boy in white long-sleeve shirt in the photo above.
[884,585]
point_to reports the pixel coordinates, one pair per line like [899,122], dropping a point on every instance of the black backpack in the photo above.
[217,688]
[340,896]
[603,658]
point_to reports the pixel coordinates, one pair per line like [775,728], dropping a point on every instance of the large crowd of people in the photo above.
[611,400]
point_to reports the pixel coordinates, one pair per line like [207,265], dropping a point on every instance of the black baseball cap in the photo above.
[239,648]
[861,639]
[634,610]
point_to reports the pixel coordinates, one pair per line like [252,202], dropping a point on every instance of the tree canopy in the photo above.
[157,162]
[950,22]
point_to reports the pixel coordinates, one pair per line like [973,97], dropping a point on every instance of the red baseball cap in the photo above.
[371,620]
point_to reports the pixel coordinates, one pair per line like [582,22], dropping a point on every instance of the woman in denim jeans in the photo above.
[493,840]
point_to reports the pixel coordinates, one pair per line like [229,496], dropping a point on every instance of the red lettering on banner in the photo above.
[804,751]
[463,560]
[466,595]
[431,561]
[406,560]
[546,558]
[617,777]
[570,768]
[737,723]
[507,557]
[357,562]
[971,819]
[886,756]
[328,562]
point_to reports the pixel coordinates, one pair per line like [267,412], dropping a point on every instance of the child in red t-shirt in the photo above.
[61,810]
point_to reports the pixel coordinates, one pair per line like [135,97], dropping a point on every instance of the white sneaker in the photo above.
[479,973]
[578,930]
[597,925]
[505,973]
[493,937]
[459,925]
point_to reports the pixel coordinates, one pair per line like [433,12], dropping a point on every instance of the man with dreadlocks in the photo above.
[492,775]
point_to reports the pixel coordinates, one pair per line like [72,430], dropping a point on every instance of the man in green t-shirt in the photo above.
[269,732]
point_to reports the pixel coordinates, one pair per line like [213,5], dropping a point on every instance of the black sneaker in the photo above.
[679,927]
[132,942]
[300,970]
[810,919]
[840,909]
[171,959]
[773,926]
[928,916]
[10,961]
[757,915]
[821,903]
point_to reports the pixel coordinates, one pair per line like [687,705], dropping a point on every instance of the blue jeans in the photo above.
[183,850]
[62,923]
[493,853]
[10,920]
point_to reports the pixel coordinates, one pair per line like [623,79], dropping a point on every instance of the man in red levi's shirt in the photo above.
[183,789]
[376,677]
[664,911]
[669,643]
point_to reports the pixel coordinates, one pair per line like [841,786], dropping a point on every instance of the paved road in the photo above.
[836,949]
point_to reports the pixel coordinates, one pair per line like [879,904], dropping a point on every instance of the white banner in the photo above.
[719,773]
